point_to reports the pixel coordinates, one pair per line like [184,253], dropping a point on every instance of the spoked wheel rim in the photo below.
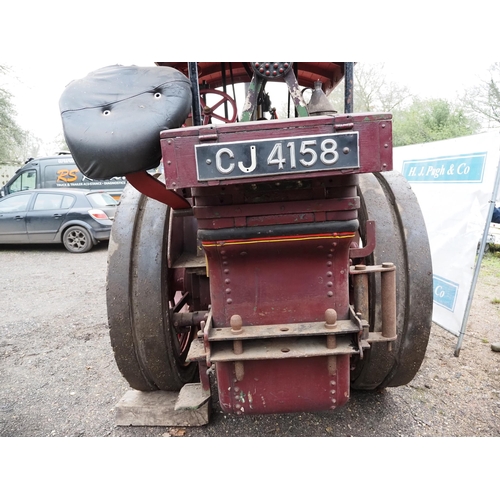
[209,112]
[183,335]
[149,351]
[401,238]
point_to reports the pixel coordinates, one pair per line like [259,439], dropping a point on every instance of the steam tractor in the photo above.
[278,258]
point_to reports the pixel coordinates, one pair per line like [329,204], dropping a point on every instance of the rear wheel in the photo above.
[401,238]
[77,239]
[149,351]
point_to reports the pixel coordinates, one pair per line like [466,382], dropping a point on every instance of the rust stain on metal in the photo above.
[388,302]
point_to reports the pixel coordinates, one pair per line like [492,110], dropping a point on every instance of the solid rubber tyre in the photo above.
[401,238]
[146,346]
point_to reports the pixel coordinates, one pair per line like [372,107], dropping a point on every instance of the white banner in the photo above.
[453,181]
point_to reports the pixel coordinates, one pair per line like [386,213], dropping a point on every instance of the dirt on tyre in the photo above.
[149,350]
[401,238]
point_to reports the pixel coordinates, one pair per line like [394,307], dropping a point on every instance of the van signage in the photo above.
[76,179]
[56,172]
[66,175]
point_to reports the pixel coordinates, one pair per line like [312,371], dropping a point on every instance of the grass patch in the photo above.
[490,265]
[495,301]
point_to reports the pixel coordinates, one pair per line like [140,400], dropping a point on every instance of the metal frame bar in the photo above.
[349,87]
[477,268]
[196,106]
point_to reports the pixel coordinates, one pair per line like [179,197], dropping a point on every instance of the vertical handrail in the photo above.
[196,105]
[349,87]
[478,263]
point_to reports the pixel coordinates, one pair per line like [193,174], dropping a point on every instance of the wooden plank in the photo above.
[157,409]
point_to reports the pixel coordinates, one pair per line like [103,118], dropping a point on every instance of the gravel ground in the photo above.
[59,376]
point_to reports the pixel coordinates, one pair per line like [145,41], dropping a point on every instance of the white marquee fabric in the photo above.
[454,181]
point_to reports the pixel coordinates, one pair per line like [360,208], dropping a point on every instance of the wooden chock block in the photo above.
[188,408]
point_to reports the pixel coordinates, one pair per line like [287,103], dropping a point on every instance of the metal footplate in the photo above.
[270,368]
[284,341]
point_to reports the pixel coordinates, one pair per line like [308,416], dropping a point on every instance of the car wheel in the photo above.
[77,239]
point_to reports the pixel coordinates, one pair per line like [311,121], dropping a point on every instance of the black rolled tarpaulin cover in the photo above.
[112,118]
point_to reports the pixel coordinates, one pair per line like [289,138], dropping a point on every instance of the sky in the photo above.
[435,48]
[36,87]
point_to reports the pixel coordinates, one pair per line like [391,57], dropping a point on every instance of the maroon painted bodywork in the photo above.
[277,252]
[285,385]
[178,145]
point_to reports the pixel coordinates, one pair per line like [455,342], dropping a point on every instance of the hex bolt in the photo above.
[330,323]
[330,318]
[236,324]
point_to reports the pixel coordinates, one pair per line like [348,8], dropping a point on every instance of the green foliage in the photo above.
[490,265]
[12,137]
[415,121]
[431,120]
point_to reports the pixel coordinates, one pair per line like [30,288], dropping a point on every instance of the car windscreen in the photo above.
[25,181]
[101,200]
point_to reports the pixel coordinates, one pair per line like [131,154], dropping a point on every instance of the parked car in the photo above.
[77,218]
[493,239]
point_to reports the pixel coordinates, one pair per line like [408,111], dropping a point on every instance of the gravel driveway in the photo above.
[59,376]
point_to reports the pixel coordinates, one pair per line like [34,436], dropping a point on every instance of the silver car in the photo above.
[77,218]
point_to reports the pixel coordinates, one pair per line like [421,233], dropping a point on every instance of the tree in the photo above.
[484,99]
[373,91]
[60,142]
[431,120]
[13,139]
[414,121]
